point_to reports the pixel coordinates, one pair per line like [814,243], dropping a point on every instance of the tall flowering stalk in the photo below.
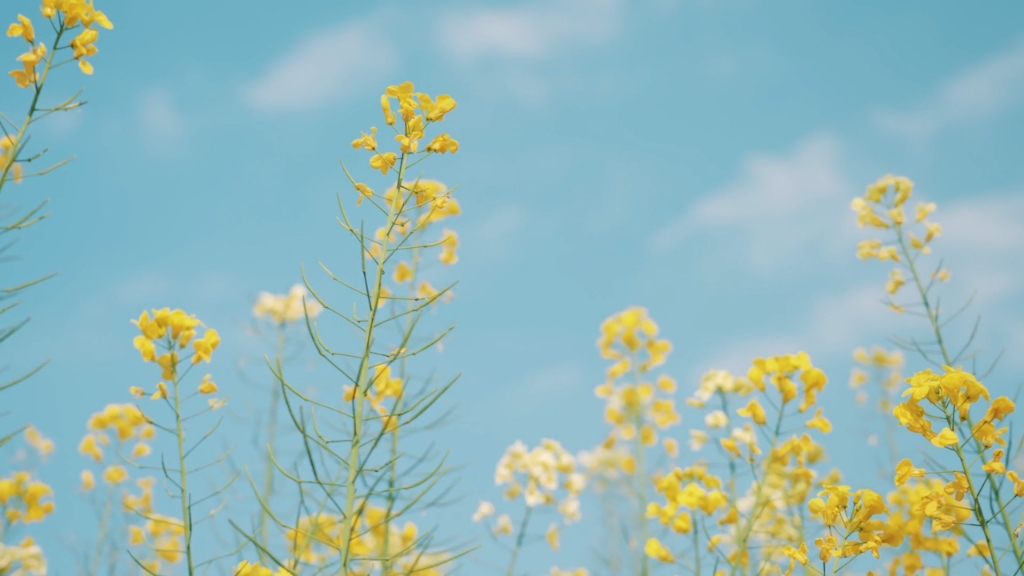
[170,340]
[638,406]
[282,311]
[879,373]
[945,398]
[118,438]
[356,485]
[546,479]
[67,18]
[23,498]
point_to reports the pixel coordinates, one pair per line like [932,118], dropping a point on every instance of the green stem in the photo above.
[758,494]
[186,507]
[275,399]
[933,318]
[696,549]
[11,157]
[101,540]
[519,542]
[363,381]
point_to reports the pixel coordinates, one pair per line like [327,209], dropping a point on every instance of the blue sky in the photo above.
[696,158]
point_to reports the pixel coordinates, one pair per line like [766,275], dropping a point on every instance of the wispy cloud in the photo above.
[160,118]
[776,204]
[982,236]
[529,32]
[973,95]
[326,66]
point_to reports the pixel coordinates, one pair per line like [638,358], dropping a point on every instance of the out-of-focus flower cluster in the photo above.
[883,207]
[287,308]
[317,540]
[637,404]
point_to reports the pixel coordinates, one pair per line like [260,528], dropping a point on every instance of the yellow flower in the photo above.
[141,451]
[503,526]
[671,447]
[84,46]
[924,210]
[206,346]
[449,244]
[403,273]
[28,76]
[136,391]
[896,281]
[23,29]
[115,475]
[161,392]
[819,422]
[945,439]
[553,537]
[364,193]
[905,471]
[483,511]
[207,386]
[90,447]
[389,116]
[656,550]
[384,162]
[443,144]
[88,480]
[368,142]
[426,291]
[216,403]
[436,111]
[35,439]
[755,411]
[716,419]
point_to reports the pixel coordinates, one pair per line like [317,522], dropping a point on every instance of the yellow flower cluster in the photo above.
[287,308]
[317,540]
[161,538]
[538,475]
[883,206]
[174,331]
[66,15]
[385,387]
[636,407]
[930,520]
[23,558]
[418,111]
[951,396]
[686,492]
[766,517]
[25,500]
[41,444]
[124,422]
[8,153]
[246,568]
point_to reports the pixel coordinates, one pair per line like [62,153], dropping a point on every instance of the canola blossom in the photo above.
[726,474]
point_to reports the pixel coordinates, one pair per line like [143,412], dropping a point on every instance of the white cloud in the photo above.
[777,203]
[160,118]
[531,32]
[971,96]
[325,66]
[982,236]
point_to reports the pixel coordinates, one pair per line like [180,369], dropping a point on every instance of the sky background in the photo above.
[697,158]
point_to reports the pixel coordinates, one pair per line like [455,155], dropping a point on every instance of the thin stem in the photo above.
[33,108]
[275,398]
[363,381]
[519,542]
[186,508]
[101,541]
